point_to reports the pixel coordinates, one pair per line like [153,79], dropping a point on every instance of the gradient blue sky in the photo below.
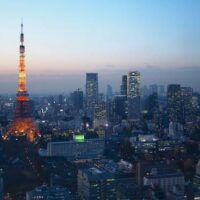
[71,37]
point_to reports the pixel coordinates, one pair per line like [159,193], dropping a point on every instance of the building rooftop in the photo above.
[94,173]
[163,172]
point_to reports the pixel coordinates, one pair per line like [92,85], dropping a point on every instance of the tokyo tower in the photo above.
[23,124]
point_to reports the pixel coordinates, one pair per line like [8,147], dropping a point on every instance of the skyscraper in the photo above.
[124,85]
[91,92]
[188,114]
[151,104]
[109,93]
[133,95]
[60,99]
[100,115]
[23,124]
[119,108]
[174,102]
[77,99]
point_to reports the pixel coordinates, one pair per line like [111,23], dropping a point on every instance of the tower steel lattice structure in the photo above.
[23,123]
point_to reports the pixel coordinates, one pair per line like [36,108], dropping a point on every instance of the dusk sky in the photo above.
[64,39]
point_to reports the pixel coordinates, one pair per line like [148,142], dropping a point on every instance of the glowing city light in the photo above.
[23,124]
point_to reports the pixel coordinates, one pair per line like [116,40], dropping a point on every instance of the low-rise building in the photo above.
[48,193]
[166,180]
[77,149]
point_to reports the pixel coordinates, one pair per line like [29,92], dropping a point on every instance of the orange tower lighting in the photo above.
[23,124]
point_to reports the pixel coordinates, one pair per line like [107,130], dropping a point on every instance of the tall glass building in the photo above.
[91,92]
[133,95]
[188,114]
[174,102]
[124,85]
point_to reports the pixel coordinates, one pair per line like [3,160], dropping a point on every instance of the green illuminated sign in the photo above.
[79,138]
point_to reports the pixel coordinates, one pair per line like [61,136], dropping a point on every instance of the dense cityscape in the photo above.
[139,143]
[129,141]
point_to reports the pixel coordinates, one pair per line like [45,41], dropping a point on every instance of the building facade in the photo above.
[133,95]
[166,180]
[124,85]
[187,110]
[100,115]
[91,92]
[48,193]
[174,102]
[84,149]
[94,183]
[77,99]
[119,108]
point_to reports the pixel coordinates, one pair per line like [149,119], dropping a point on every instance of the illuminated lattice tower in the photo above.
[23,124]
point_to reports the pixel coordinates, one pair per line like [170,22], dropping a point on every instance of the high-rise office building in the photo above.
[133,95]
[91,92]
[174,102]
[151,104]
[187,93]
[100,115]
[119,108]
[124,85]
[77,99]
[60,99]
[109,93]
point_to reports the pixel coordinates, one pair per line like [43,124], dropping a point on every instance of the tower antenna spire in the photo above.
[22,25]
[22,34]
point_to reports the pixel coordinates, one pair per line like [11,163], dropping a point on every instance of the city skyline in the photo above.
[67,83]
[100,100]
[105,37]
